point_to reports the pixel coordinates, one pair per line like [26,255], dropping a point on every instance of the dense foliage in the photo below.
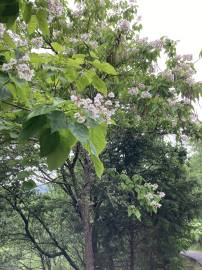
[75,81]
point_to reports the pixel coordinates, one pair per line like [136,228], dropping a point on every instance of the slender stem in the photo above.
[15,105]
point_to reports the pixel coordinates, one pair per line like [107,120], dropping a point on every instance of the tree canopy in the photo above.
[85,112]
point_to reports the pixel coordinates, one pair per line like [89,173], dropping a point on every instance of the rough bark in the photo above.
[131,247]
[86,213]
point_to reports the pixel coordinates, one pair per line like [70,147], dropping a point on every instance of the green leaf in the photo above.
[42,21]
[5,94]
[75,63]
[9,10]
[22,89]
[29,185]
[3,78]
[45,109]
[42,58]
[93,55]
[105,67]
[57,47]
[27,11]
[32,25]
[81,56]
[32,127]
[57,120]
[58,156]
[134,211]
[71,75]
[8,40]
[98,137]
[80,132]
[99,168]
[99,85]
[90,74]
[48,142]
[82,82]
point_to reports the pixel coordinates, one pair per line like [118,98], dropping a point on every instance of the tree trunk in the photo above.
[131,247]
[86,214]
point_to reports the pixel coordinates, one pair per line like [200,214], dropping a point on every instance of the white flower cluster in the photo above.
[86,38]
[24,72]
[184,70]
[101,3]
[99,107]
[78,11]
[142,41]
[172,101]
[136,91]
[17,39]
[124,25]
[37,42]
[55,7]
[133,91]
[21,66]
[167,74]
[157,44]
[194,117]
[186,101]
[151,197]
[2,30]
[185,57]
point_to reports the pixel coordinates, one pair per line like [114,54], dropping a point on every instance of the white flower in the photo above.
[141,85]
[98,97]
[157,44]
[133,90]
[186,101]
[80,118]
[154,186]
[97,107]
[155,204]
[17,39]
[187,57]
[190,81]
[78,11]
[56,33]
[101,3]
[111,95]
[124,25]
[73,40]
[93,44]
[146,94]
[6,67]
[161,194]
[74,98]
[25,58]
[37,42]
[117,104]
[55,7]
[142,41]
[2,30]
[194,117]
[24,72]
[85,36]
[172,89]
[108,103]
[12,62]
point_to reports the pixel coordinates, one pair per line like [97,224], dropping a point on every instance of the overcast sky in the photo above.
[178,19]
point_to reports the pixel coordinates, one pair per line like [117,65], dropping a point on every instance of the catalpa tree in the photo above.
[67,73]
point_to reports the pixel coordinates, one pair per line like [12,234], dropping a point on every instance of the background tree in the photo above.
[62,100]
